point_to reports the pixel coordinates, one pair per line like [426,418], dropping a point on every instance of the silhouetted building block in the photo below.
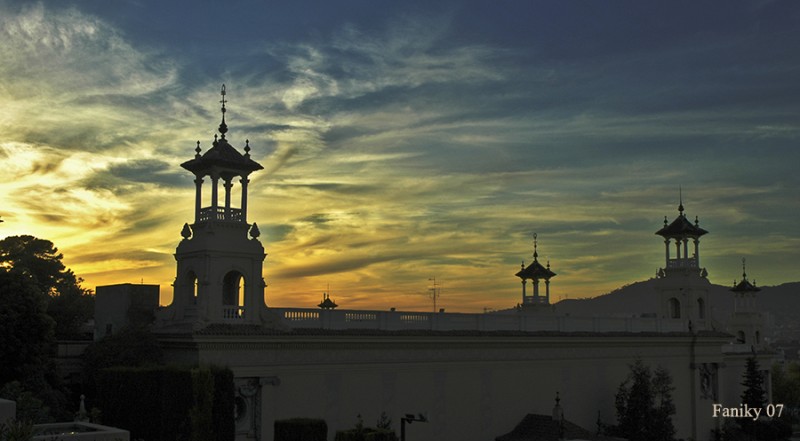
[127,304]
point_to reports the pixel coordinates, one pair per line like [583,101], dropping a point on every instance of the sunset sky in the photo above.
[406,140]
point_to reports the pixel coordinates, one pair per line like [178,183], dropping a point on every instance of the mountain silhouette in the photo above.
[781,302]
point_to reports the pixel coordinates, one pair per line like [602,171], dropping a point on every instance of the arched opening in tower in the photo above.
[191,281]
[674,308]
[233,289]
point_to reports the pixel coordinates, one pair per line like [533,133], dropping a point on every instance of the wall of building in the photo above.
[472,387]
[116,305]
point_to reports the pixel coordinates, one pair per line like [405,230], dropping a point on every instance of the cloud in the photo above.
[407,146]
[70,79]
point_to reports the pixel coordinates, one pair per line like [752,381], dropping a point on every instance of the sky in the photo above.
[409,140]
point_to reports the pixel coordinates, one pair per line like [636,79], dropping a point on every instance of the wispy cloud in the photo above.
[403,147]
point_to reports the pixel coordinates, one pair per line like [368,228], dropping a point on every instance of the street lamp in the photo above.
[410,418]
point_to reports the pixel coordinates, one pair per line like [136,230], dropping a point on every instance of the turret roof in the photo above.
[744,285]
[535,271]
[681,227]
[222,156]
[327,303]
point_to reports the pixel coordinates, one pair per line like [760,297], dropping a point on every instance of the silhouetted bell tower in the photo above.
[220,259]
[535,272]
[682,283]
[747,322]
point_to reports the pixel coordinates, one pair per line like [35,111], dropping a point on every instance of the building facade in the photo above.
[474,376]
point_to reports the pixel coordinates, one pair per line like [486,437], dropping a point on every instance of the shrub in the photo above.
[168,403]
[301,429]
[222,416]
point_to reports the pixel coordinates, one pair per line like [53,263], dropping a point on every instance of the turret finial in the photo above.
[744,273]
[223,128]
[680,199]
[535,244]
[197,150]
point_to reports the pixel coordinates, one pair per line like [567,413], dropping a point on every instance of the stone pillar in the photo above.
[536,290]
[524,282]
[666,242]
[198,198]
[686,249]
[228,184]
[244,182]
[547,291]
[697,251]
[214,195]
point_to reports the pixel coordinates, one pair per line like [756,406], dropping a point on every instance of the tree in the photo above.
[25,330]
[644,405]
[786,389]
[753,395]
[129,347]
[26,336]
[71,309]
[662,428]
[39,260]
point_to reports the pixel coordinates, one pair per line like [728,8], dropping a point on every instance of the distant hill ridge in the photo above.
[782,302]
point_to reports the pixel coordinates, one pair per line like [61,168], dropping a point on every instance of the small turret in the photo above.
[535,272]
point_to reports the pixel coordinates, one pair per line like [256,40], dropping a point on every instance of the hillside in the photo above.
[782,302]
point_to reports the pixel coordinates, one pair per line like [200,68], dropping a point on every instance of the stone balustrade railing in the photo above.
[513,321]
[233,313]
[219,214]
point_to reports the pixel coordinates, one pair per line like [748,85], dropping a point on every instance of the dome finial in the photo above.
[680,199]
[744,272]
[223,128]
[535,244]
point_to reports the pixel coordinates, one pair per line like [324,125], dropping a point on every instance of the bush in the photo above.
[168,403]
[366,434]
[132,399]
[16,431]
[222,416]
[301,429]
[382,432]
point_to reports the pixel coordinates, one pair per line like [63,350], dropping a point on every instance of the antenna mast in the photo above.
[435,292]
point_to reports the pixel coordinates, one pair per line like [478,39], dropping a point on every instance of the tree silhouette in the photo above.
[644,405]
[753,394]
[39,260]
[753,382]
[25,330]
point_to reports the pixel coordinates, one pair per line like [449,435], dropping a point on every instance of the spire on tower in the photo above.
[223,128]
[744,272]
